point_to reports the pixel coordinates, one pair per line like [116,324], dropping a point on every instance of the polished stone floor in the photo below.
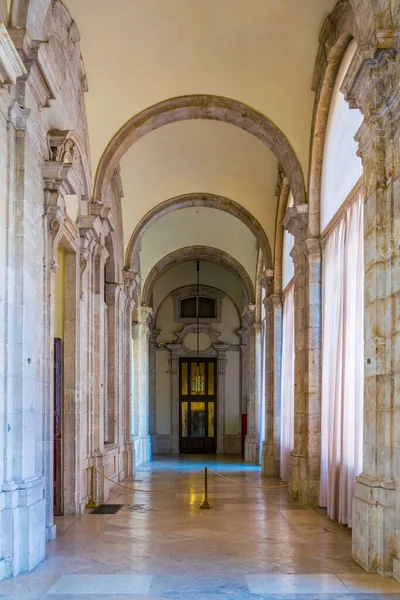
[253,544]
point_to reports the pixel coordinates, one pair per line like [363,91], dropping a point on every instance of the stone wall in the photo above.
[44,158]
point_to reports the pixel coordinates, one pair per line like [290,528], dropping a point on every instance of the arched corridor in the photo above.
[199,264]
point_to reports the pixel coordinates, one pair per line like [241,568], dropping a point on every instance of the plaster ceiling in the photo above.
[138,53]
[199,156]
[198,227]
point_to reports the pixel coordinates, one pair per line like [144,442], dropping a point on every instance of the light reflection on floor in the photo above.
[253,544]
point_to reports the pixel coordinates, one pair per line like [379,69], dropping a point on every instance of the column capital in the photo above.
[372,82]
[296,221]
[100,253]
[131,281]
[248,314]
[266,280]
[275,300]
[146,316]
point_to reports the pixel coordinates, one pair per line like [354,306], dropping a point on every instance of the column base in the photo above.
[51,533]
[304,486]
[270,463]
[22,526]
[128,459]
[3,566]
[251,450]
[143,449]
[374,526]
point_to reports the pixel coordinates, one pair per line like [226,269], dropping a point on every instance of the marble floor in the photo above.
[252,545]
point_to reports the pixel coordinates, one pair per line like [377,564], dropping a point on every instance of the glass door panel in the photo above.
[185,419]
[197,419]
[197,379]
[210,431]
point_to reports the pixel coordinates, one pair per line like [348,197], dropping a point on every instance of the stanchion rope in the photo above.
[256,487]
[148,491]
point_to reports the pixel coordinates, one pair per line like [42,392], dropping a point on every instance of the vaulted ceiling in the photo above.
[138,53]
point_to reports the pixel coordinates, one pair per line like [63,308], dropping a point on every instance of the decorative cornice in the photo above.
[38,69]
[372,82]
[11,64]
[59,177]
[92,224]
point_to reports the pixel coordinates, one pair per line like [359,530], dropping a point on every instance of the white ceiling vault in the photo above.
[138,53]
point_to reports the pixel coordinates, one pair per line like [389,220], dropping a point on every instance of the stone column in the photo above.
[96,364]
[252,443]
[306,256]
[174,362]
[22,498]
[72,391]
[131,281]
[373,85]
[52,232]
[273,366]
[112,378]
[142,332]
[152,387]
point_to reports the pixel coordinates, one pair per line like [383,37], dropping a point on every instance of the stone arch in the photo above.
[339,30]
[205,253]
[198,199]
[201,106]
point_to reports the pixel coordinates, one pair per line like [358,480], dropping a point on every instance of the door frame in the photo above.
[189,398]
[216,350]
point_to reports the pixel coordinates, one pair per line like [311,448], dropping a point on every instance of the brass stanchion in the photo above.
[92,502]
[205,503]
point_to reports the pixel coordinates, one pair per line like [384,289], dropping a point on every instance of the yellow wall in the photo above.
[59,295]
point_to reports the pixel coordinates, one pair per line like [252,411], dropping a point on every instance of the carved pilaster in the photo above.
[373,85]
[252,441]
[306,255]
[273,355]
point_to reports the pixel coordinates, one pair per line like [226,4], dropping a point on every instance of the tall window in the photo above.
[342,307]
[287,373]
[287,383]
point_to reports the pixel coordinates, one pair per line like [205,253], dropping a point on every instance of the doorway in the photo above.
[197,405]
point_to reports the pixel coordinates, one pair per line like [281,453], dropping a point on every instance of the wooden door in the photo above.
[198,405]
[58,460]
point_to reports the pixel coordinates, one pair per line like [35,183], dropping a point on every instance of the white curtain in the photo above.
[342,362]
[287,384]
